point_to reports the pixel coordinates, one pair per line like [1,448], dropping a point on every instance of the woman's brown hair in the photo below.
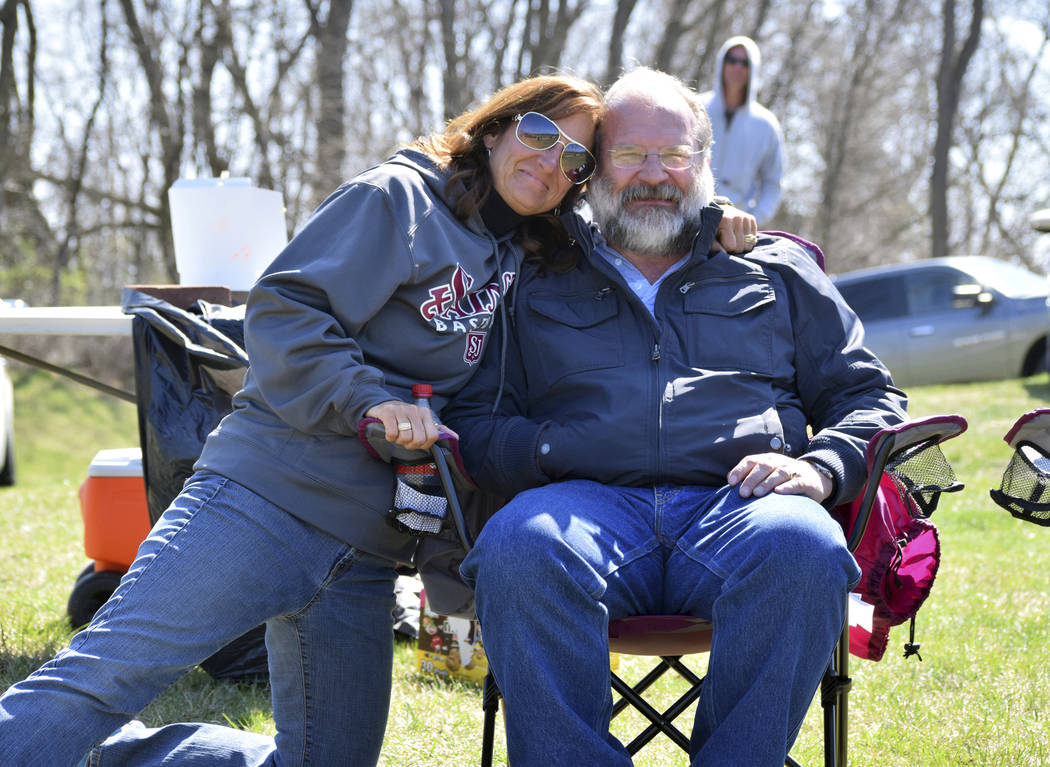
[461,146]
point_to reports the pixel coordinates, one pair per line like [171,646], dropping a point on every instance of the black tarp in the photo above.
[188,366]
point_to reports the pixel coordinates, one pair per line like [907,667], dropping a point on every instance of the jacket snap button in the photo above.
[776,443]
[545,448]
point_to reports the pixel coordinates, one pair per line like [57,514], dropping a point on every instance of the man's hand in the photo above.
[759,474]
[736,231]
[408,425]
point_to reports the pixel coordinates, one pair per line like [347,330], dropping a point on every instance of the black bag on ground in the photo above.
[188,366]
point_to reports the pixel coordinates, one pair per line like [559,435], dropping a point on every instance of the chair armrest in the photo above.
[452,473]
[910,454]
[1025,487]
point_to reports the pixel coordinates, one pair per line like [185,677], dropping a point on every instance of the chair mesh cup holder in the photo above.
[921,473]
[1025,489]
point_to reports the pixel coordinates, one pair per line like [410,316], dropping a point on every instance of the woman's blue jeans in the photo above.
[219,562]
[553,566]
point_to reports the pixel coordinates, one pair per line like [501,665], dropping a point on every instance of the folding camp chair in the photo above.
[904,461]
[1025,488]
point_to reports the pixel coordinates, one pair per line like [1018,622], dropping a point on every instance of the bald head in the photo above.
[661,95]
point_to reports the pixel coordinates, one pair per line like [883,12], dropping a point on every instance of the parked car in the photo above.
[7,416]
[7,427]
[955,319]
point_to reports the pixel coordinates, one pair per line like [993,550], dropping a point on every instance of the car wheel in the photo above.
[7,471]
[90,592]
[1035,361]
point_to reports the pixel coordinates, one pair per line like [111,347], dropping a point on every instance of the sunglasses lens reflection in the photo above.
[537,132]
[577,163]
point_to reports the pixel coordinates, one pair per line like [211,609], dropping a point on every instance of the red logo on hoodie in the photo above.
[475,342]
[453,306]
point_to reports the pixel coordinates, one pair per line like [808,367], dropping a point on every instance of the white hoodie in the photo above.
[747,156]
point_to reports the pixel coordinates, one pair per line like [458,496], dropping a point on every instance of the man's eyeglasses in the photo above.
[539,132]
[671,157]
[741,60]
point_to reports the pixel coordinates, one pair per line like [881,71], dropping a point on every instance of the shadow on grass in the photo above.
[196,697]
[23,651]
[1038,387]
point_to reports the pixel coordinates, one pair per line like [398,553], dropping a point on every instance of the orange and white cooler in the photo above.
[113,506]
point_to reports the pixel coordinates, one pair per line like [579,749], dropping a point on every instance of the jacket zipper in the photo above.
[657,468]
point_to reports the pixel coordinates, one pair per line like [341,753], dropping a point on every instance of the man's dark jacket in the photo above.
[743,354]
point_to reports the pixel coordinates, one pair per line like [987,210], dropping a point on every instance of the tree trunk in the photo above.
[169,131]
[16,115]
[614,61]
[331,57]
[457,95]
[949,90]
[675,28]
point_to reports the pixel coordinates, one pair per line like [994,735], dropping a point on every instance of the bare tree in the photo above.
[1002,128]
[95,127]
[27,239]
[330,32]
[848,107]
[456,66]
[545,32]
[677,26]
[781,86]
[16,113]
[950,73]
[165,116]
[622,17]
[74,185]
[213,37]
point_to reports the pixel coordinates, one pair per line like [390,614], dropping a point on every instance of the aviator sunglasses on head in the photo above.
[539,132]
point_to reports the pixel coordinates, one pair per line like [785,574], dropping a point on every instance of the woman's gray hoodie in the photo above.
[383,288]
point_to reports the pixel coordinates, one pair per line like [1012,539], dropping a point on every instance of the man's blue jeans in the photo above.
[219,562]
[553,566]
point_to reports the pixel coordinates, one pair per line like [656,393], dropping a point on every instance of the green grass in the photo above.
[977,698]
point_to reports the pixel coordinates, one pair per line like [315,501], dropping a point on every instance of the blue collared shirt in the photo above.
[637,281]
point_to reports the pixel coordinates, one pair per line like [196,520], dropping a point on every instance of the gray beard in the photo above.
[653,233]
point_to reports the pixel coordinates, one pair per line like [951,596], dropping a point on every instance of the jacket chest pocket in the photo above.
[731,324]
[573,334]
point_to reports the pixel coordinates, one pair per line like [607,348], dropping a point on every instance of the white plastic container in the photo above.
[226,231]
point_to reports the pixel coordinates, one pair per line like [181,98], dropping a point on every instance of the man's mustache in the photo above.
[664,191]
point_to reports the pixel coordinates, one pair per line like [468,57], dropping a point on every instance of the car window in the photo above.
[1009,279]
[876,298]
[930,290]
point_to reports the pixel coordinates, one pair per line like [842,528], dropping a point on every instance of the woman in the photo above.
[393,281]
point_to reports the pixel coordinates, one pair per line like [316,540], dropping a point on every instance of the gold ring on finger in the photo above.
[404,426]
[750,239]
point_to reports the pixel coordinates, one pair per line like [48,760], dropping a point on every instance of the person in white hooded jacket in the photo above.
[747,157]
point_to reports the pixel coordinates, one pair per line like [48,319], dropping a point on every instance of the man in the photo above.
[647,418]
[747,157]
